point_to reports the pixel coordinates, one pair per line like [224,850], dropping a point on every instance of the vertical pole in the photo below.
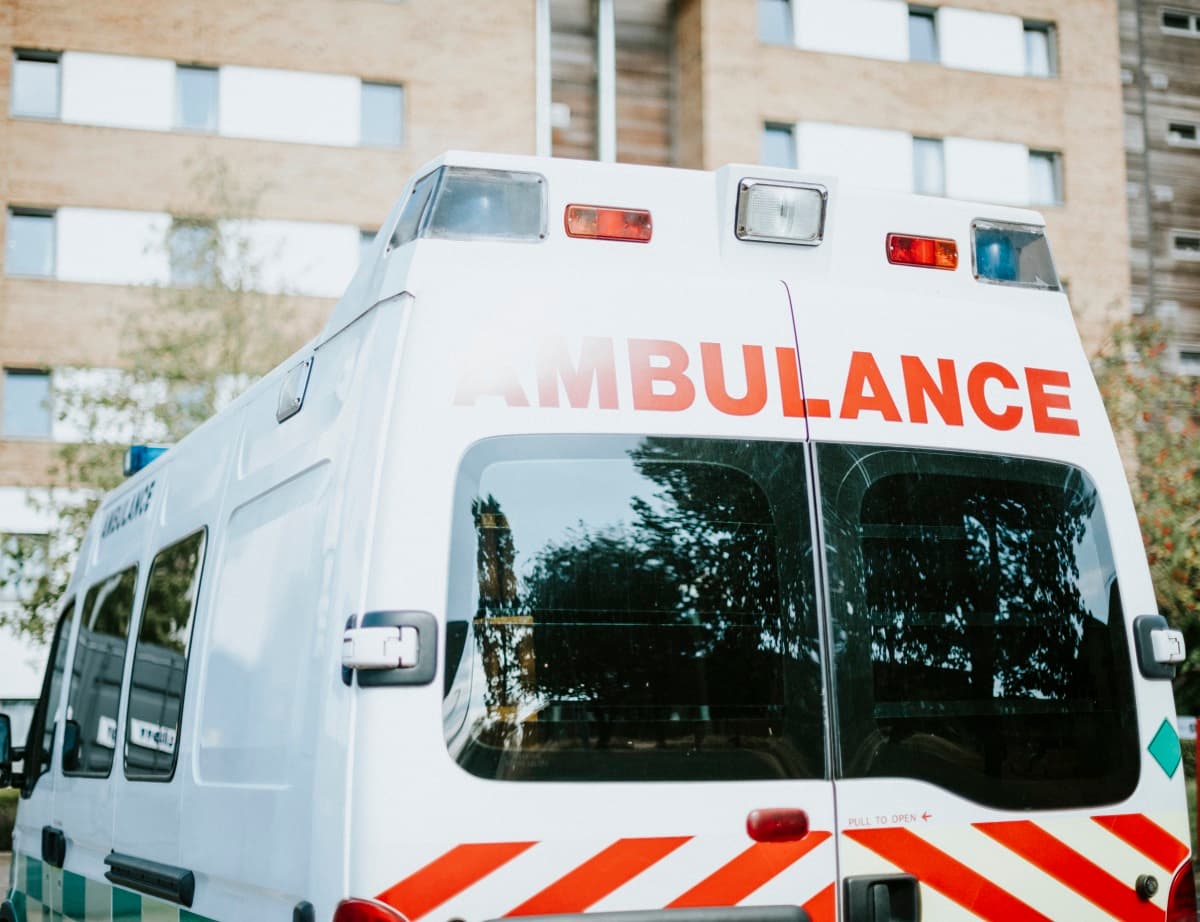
[606,82]
[543,143]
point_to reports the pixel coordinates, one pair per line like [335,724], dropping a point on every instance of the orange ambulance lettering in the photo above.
[596,369]
[1005,419]
[920,387]
[1041,402]
[717,389]
[864,374]
[644,373]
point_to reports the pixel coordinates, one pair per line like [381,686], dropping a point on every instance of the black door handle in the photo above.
[165,881]
[54,846]
[886,898]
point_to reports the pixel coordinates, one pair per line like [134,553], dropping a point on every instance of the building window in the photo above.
[26,404]
[1183,134]
[929,167]
[775,22]
[922,34]
[196,98]
[382,115]
[1045,178]
[30,246]
[1181,21]
[1189,360]
[1185,245]
[192,252]
[778,146]
[1040,52]
[35,84]
[365,239]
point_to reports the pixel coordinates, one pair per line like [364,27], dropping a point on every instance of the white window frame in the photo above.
[1193,30]
[1183,255]
[1176,141]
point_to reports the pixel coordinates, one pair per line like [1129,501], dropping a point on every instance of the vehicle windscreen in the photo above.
[633,609]
[979,638]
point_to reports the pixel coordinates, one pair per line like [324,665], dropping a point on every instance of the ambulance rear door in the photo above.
[998,754]
[603,497]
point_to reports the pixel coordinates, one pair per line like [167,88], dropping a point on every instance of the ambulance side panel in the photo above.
[267,779]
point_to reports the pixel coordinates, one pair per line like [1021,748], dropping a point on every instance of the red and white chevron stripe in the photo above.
[1072,868]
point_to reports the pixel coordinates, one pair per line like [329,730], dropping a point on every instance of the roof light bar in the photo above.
[138,456]
[1013,254]
[597,222]
[772,211]
[927,252]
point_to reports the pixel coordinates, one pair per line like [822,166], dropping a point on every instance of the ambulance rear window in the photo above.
[982,644]
[628,609]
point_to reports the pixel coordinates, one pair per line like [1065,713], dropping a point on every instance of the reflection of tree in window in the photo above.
[976,651]
[661,638]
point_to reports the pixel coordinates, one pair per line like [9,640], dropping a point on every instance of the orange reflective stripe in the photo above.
[733,882]
[948,876]
[1069,867]
[823,906]
[1147,837]
[449,876]
[599,876]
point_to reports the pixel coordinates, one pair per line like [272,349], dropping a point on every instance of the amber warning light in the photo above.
[599,223]
[930,252]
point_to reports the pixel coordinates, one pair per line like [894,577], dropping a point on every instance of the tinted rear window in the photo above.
[981,644]
[633,609]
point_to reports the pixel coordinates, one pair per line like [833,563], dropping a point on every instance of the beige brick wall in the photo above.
[746,83]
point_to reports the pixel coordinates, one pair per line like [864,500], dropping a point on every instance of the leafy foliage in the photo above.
[1155,411]
[212,331]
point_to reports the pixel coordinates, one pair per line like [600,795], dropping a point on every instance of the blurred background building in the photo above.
[1160,76]
[328,105]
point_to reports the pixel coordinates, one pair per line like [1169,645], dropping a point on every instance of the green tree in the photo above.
[211,331]
[1155,411]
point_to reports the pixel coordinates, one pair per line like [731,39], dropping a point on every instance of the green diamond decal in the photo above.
[1165,748]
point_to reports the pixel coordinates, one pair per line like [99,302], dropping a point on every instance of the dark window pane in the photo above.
[40,741]
[1039,50]
[26,404]
[382,115]
[922,36]
[775,21]
[96,674]
[35,84]
[627,609]
[30,246]
[196,98]
[1173,20]
[160,659]
[984,641]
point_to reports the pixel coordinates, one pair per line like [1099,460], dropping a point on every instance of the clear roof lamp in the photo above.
[781,212]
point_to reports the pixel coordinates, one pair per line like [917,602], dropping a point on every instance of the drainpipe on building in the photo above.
[1147,191]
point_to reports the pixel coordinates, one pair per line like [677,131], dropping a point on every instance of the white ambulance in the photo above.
[682,546]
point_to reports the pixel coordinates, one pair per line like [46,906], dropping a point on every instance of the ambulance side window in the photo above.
[160,660]
[40,742]
[981,642]
[96,676]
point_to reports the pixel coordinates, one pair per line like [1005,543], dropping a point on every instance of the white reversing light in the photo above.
[780,212]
